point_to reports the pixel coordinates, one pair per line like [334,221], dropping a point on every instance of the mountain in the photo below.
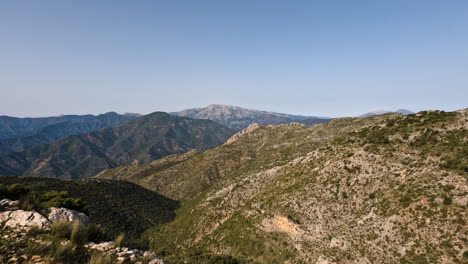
[11,127]
[68,125]
[382,189]
[239,118]
[381,112]
[142,139]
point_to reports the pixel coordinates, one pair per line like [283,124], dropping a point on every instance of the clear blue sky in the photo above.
[331,58]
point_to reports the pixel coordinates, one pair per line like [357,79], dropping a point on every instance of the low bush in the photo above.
[13,191]
[61,199]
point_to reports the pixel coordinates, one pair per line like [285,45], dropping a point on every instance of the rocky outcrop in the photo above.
[24,219]
[124,254]
[245,131]
[9,204]
[64,214]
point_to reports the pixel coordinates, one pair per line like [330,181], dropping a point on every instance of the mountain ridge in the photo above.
[238,118]
[52,132]
[142,139]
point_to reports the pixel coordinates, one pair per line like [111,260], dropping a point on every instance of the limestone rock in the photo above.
[64,214]
[8,203]
[156,261]
[24,219]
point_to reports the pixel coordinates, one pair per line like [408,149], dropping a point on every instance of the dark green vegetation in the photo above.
[239,118]
[18,134]
[29,199]
[116,206]
[382,189]
[142,140]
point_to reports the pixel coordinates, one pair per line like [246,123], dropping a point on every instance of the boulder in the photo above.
[8,203]
[24,219]
[156,261]
[64,214]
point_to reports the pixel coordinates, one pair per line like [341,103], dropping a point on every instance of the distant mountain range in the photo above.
[18,134]
[239,118]
[142,139]
[381,112]
[17,126]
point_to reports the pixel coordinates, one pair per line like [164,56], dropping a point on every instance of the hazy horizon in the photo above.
[335,59]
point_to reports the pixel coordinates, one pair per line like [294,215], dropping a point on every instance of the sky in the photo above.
[327,58]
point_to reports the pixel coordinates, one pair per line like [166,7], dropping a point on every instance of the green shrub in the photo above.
[61,199]
[405,201]
[447,200]
[96,233]
[13,191]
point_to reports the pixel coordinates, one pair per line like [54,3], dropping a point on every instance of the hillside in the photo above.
[140,140]
[383,189]
[239,118]
[117,206]
[38,135]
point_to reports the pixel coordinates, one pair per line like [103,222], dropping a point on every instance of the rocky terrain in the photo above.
[239,118]
[59,235]
[382,189]
[142,139]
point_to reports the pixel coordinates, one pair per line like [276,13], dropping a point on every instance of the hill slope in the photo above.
[118,206]
[142,139]
[382,189]
[64,127]
[239,118]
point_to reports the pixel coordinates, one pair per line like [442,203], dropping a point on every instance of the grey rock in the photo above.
[8,203]
[156,261]
[64,214]
[24,219]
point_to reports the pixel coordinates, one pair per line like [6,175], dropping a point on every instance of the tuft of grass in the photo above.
[61,229]
[98,258]
[62,252]
[119,239]
[34,231]
[37,249]
[29,202]
[96,233]
[79,234]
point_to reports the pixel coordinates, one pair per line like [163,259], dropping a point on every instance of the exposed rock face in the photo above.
[124,254]
[64,214]
[8,203]
[247,130]
[24,219]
